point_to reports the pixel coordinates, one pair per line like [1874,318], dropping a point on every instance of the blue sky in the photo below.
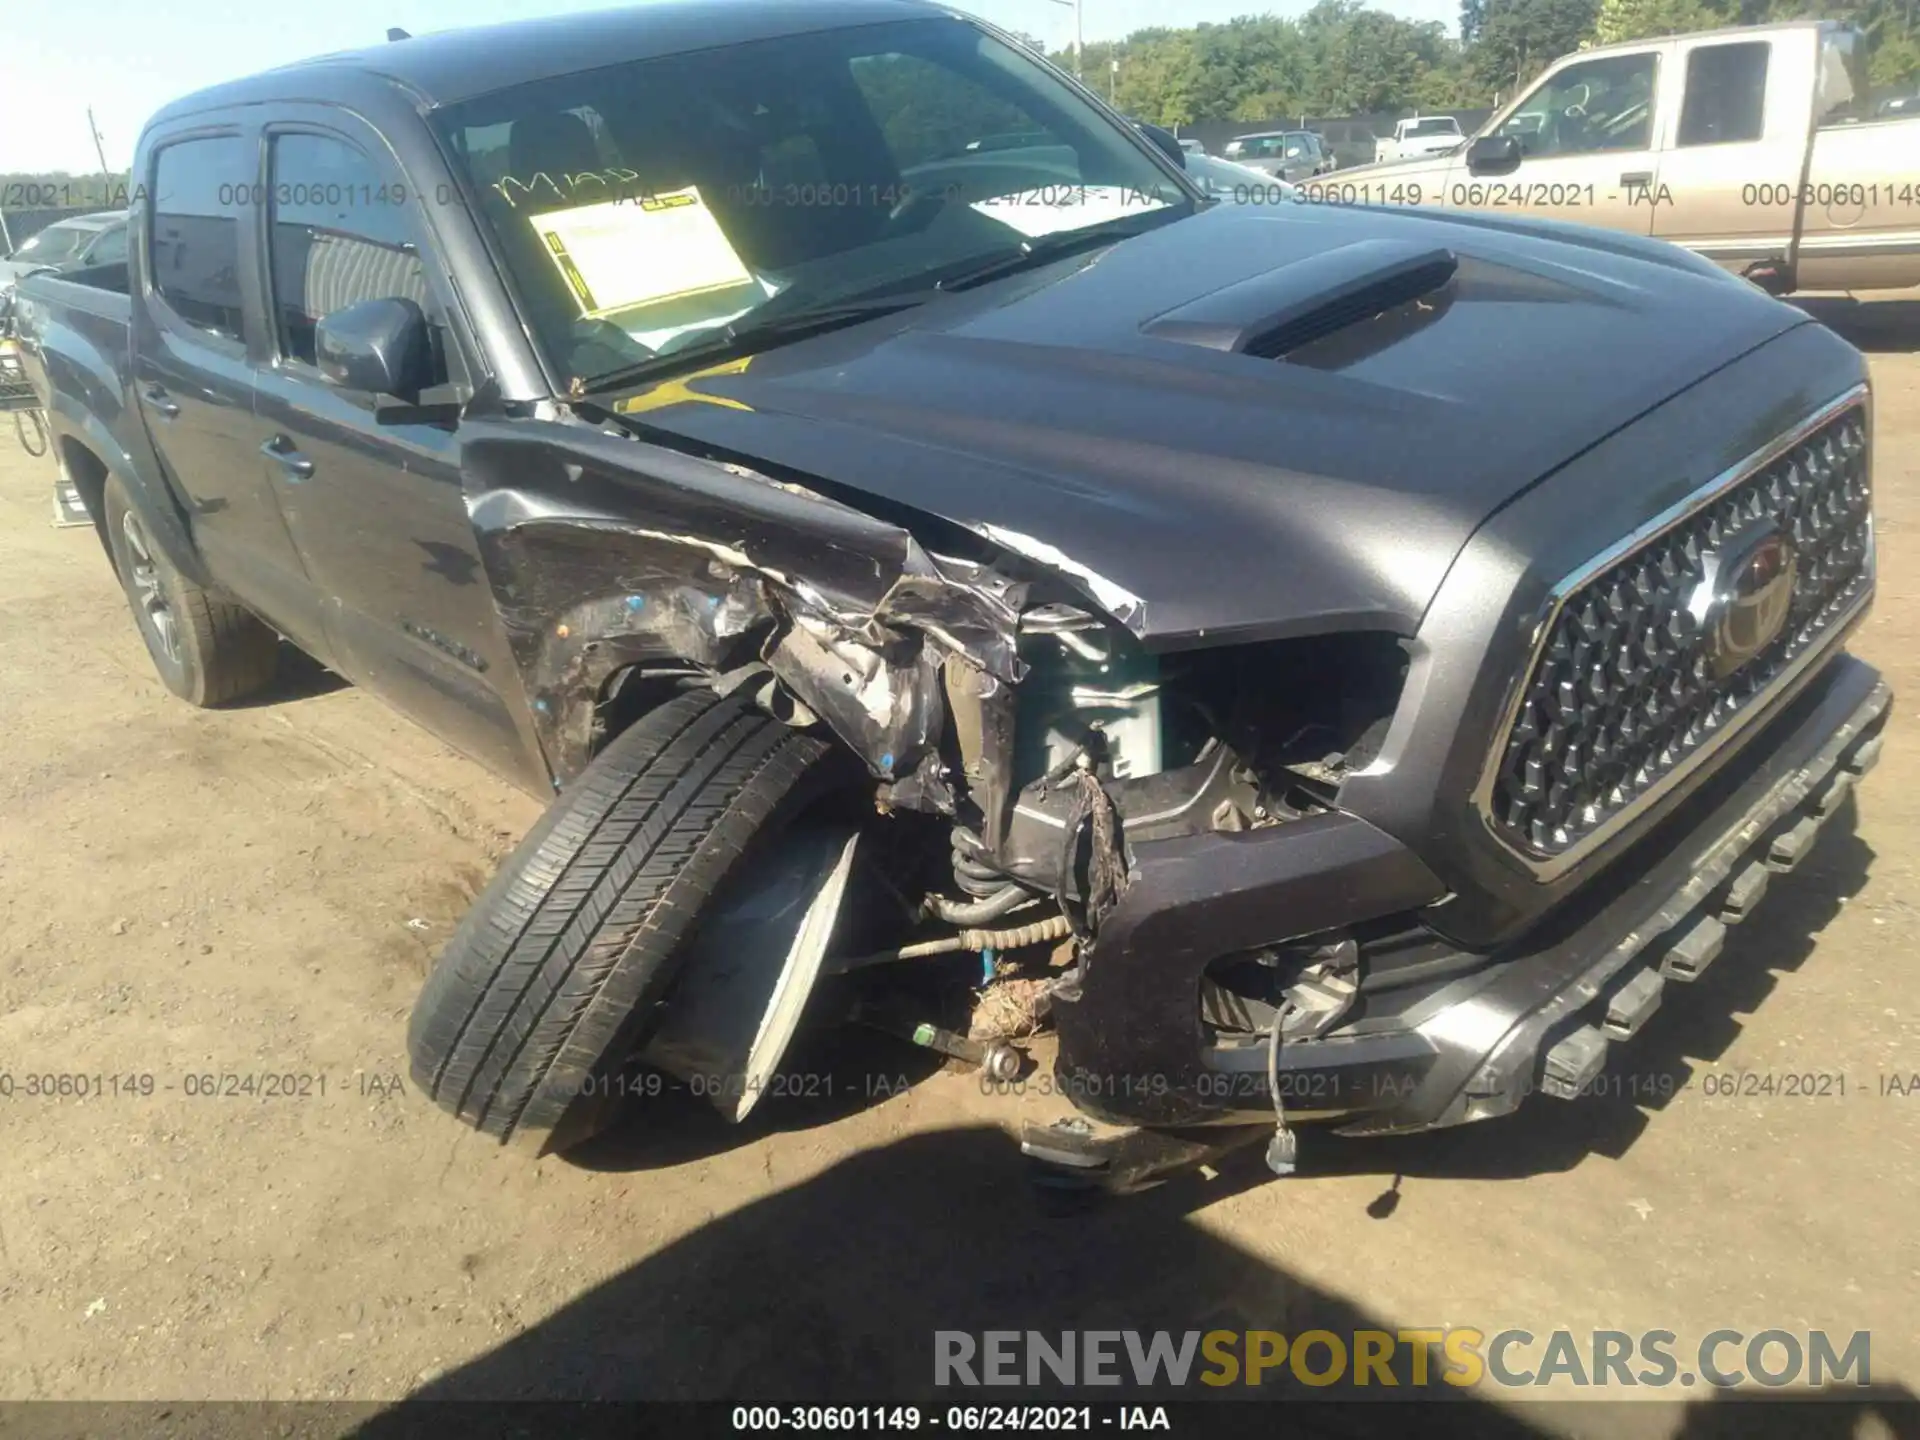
[126,58]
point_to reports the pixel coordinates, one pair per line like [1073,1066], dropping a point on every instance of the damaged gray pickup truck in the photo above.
[1326,663]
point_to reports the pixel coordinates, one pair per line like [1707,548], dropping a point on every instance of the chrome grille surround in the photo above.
[1617,701]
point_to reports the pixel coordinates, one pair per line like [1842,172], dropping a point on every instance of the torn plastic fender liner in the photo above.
[605,552]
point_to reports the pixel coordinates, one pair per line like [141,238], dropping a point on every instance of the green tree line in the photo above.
[1342,58]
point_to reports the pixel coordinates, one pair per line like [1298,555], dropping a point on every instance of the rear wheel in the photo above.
[208,650]
[550,983]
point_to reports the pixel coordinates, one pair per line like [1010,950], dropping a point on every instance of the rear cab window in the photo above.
[929,113]
[1843,87]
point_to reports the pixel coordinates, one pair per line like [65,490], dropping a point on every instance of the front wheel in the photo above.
[551,981]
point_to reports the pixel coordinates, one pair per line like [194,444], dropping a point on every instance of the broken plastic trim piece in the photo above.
[751,968]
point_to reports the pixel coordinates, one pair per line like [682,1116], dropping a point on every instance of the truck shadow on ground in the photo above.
[1876,326]
[829,1076]
[833,1290]
[296,676]
[1838,1413]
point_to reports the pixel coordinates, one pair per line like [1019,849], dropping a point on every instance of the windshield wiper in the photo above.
[746,336]
[1045,249]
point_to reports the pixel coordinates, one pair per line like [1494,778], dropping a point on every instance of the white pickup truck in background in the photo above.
[1760,147]
[1422,135]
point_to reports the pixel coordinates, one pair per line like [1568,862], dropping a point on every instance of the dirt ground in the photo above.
[188,893]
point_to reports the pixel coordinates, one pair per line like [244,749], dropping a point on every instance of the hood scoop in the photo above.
[1279,311]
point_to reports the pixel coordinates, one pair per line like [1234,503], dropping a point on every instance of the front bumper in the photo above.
[1540,1014]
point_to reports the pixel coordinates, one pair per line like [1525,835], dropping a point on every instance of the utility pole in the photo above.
[1113,78]
[99,150]
[1077,74]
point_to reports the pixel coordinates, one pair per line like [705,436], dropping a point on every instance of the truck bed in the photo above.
[97,289]
[1863,209]
[74,334]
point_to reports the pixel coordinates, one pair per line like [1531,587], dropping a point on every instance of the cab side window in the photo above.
[1588,109]
[1726,94]
[341,233]
[194,251]
[110,248]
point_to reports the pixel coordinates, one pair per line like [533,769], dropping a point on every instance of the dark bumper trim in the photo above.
[1492,1046]
[1129,1023]
[1132,1050]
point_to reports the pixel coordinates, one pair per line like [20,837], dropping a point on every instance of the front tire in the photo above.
[208,650]
[549,984]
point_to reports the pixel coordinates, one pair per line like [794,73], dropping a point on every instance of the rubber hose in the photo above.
[978,912]
[1055,928]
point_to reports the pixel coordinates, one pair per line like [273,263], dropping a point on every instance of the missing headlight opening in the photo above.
[1233,739]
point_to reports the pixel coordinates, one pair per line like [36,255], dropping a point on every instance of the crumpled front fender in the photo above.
[606,552]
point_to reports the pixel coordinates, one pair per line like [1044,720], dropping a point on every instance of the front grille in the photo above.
[1629,684]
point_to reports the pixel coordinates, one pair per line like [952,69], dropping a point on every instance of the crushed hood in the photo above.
[1204,495]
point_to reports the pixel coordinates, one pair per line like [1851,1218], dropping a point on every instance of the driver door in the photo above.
[370,488]
[1587,136]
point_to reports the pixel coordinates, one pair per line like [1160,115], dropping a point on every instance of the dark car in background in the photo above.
[1229,180]
[1284,154]
[71,244]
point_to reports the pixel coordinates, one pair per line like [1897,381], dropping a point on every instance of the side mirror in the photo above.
[379,346]
[1166,141]
[1494,155]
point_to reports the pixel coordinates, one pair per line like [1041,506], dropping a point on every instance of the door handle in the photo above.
[1637,179]
[297,466]
[155,399]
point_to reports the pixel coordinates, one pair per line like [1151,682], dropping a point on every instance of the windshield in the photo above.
[651,207]
[1420,129]
[54,245]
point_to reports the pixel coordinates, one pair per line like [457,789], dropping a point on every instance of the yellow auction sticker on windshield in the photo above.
[1047,208]
[622,254]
